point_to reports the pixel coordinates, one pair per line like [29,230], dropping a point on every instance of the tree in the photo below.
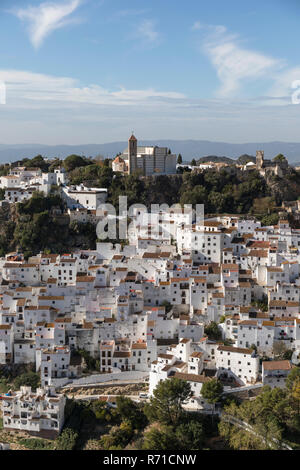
[73,161]
[38,162]
[293,376]
[250,427]
[279,349]
[197,195]
[279,158]
[160,438]
[89,360]
[101,411]
[66,440]
[193,162]
[261,304]
[190,435]
[166,403]
[287,355]
[216,202]
[213,331]
[130,411]
[167,305]
[296,393]
[118,437]
[179,159]
[271,219]
[30,379]
[212,391]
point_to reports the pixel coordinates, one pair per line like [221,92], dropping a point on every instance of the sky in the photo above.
[93,71]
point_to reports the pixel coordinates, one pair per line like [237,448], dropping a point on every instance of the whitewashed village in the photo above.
[194,300]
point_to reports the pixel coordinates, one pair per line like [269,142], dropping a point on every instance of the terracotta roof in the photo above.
[258,253]
[139,346]
[277,365]
[192,377]
[85,279]
[196,354]
[165,356]
[235,350]
[118,160]
[121,354]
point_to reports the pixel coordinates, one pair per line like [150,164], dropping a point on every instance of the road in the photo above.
[97,397]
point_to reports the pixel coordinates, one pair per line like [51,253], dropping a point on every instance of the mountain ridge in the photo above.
[189,149]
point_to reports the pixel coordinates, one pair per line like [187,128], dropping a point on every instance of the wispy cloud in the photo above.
[61,109]
[234,64]
[147,32]
[196,26]
[28,89]
[46,18]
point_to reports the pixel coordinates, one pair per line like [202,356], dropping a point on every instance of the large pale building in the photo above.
[39,413]
[146,160]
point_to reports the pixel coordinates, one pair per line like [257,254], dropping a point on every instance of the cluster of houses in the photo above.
[265,167]
[81,201]
[144,307]
[22,182]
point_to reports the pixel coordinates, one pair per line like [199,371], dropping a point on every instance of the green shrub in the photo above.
[31,379]
[66,440]
[37,444]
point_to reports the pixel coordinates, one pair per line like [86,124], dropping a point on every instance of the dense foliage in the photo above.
[166,404]
[37,444]
[213,331]
[212,391]
[272,418]
[31,379]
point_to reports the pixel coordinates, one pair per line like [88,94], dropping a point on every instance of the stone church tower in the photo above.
[259,159]
[132,155]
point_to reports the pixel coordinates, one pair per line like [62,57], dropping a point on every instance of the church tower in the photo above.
[132,155]
[259,159]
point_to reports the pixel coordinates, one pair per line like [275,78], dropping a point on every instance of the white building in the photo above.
[274,373]
[241,363]
[40,413]
[82,197]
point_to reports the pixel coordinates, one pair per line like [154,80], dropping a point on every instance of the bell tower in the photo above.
[132,154]
[259,159]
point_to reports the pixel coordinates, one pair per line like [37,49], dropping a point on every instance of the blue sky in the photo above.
[90,71]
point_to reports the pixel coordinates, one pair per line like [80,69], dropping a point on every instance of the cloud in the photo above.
[46,18]
[147,32]
[196,26]
[285,85]
[28,89]
[234,64]
[60,109]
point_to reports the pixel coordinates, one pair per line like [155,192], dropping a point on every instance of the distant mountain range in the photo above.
[189,149]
